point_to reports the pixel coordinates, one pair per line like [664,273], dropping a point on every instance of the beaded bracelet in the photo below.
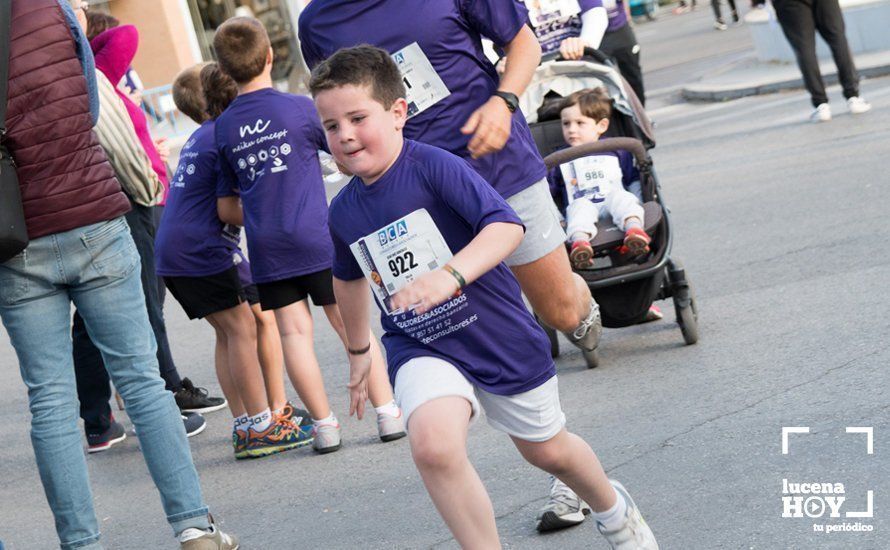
[461,282]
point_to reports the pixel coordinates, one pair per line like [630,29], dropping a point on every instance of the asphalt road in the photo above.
[781,226]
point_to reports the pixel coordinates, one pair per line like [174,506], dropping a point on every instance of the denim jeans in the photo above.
[92,378]
[97,268]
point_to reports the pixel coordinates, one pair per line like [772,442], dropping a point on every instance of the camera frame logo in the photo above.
[826,500]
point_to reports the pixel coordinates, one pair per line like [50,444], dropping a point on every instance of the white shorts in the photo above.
[534,415]
[543,227]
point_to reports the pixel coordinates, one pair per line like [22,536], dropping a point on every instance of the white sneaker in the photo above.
[327,438]
[857,105]
[390,427]
[563,509]
[822,113]
[634,534]
[720,25]
[214,539]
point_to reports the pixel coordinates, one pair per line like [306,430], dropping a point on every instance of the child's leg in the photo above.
[271,356]
[438,438]
[570,458]
[238,325]
[623,206]
[379,389]
[223,374]
[581,217]
[295,327]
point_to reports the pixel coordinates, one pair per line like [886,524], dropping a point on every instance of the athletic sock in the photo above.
[331,420]
[390,409]
[241,423]
[613,518]
[262,421]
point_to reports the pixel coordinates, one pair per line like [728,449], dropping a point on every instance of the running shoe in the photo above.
[282,435]
[563,509]
[636,241]
[634,534]
[581,254]
[96,443]
[327,438]
[214,539]
[239,444]
[298,416]
[194,423]
[190,398]
[857,105]
[822,113]
[390,427]
[720,25]
[654,314]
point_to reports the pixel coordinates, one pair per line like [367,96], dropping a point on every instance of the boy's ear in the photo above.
[269,56]
[603,125]
[400,112]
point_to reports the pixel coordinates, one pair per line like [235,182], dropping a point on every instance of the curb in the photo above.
[701,92]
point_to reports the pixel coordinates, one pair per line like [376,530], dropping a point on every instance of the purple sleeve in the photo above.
[310,55]
[587,5]
[226,180]
[498,20]
[344,266]
[314,132]
[466,193]
[629,172]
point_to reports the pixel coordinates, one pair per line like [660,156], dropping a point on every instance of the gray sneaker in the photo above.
[635,534]
[196,539]
[390,427]
[327,438]
[563,509]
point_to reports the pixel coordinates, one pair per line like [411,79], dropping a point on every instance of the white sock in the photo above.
[390,408]
[613,518]
[262,421]
[241,423]
[579,236]
[631,223]
[331,420]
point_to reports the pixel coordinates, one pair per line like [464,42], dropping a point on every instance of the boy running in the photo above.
[430,235]
[195,258]
[268,143]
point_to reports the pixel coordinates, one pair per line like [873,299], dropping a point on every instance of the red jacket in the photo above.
[65,178]
[114,50]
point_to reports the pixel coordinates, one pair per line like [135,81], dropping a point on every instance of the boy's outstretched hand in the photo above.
[359,369]
[490,126]
[426,292]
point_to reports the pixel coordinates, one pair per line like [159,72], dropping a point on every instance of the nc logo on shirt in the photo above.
[392,232]
[257,128]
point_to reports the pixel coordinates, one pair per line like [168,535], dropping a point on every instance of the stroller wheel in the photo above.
[592,358]
[688,321]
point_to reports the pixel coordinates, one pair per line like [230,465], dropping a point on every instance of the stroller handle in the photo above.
[591,53]
[634,146]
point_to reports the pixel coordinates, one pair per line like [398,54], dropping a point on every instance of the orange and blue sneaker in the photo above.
[239,442]
[281,435]
[300,417]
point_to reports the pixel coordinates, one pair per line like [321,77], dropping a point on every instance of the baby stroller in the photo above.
[624,288]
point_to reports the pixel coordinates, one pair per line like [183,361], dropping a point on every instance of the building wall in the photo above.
[167,42]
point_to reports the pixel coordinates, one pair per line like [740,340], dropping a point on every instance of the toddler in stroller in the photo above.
[596,185]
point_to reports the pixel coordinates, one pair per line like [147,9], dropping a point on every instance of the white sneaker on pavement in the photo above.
[634,534]
[327,438]
[857,105]
[563,509]
[822,113]
[390,427]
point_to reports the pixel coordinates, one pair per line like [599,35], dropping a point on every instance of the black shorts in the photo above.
[252,294]
[319,286]
[203,296]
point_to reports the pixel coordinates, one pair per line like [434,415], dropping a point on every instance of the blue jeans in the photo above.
[97,268]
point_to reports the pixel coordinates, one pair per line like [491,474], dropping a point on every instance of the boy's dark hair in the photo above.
[594,103]
[242,46]
[187,94]
[98,22]
[361,65]
[219,89]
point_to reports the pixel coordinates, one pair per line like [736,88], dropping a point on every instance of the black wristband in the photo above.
[360,351]
[510,99]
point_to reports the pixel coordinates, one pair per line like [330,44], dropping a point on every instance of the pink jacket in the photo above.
[114,51]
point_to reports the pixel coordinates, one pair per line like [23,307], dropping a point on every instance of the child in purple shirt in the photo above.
[430,237]
[196,258]
[268,143]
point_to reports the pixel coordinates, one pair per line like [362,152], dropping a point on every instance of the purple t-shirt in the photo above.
[268,143]
[190,241]
[552,32]
[629,174]
[485,331]
[448,34]
[617,16]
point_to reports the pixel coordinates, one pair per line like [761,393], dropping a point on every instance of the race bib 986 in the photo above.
[591,177]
